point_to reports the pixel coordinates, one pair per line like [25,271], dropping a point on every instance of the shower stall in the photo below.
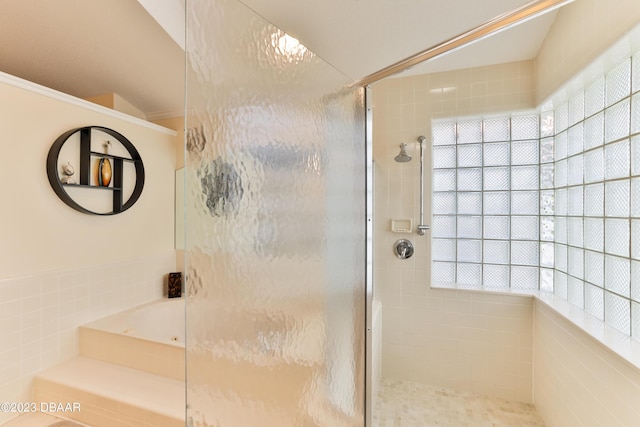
[527,199]
[279,255]
[279,241]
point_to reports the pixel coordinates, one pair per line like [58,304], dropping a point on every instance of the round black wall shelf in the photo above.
[86,154]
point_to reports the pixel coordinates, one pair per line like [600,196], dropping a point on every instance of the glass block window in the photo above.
[597,179]
[547,200]
[490,217]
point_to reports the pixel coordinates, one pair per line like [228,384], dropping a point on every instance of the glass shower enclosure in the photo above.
[275,228]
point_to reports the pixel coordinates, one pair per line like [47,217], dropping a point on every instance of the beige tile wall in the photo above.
[40,314]
[420,339]
[462,340]
[578,382]
[456,339]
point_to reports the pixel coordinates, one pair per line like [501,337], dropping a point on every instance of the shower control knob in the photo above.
[403,248]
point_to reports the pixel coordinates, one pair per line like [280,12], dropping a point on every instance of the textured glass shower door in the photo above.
[275,190]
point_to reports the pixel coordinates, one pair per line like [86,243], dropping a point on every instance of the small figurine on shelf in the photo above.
[67,172]
[104,167]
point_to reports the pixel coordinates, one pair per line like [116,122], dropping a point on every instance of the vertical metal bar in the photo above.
[85,156]
[117,184]
[369,260]
[421,140]
[422,227]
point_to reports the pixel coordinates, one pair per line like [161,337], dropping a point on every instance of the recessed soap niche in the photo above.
[401,225]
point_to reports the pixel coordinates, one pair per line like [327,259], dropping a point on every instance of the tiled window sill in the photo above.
[615,341]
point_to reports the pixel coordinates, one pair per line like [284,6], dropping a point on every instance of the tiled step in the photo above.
[39,419]
[111,395]
[149,337]
[149,356]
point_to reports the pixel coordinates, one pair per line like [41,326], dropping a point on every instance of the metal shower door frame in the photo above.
[369,258]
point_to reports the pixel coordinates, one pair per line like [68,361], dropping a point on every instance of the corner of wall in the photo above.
[577,381]
[177,124]
[581,32]
[117,103]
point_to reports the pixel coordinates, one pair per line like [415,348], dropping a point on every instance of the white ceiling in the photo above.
[88,48]
[360,37]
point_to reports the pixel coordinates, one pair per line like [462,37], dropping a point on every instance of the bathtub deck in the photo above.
[112,395]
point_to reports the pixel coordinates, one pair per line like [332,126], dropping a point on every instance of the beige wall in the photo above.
[177,124]
[578,382]
[60,268]
[581,32]
[41,233]
[456,339]
[117,103]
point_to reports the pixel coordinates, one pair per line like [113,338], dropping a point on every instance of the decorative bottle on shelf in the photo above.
[104,167]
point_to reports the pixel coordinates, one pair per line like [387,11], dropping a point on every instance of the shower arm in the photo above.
[422,227]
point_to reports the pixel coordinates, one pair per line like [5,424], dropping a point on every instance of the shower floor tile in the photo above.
[408,404]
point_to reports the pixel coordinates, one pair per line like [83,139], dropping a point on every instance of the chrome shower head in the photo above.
[403,156]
